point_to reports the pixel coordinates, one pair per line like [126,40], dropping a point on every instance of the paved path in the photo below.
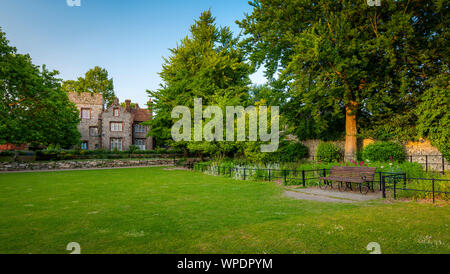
[315,194]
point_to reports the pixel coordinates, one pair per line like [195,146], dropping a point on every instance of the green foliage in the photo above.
[328,152]
[34,108]
[7,153]
[292,152]
[434,114]
[384,152]
[133,149]
[207,64]
[94,81]
[331,53]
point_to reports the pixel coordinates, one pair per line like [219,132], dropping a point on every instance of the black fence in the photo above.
[384,181]
[429,162]
[401,184]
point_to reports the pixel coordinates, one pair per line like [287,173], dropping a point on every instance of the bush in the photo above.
[133,149]
[384,152]
[328,152]
[7,153]
[292,152]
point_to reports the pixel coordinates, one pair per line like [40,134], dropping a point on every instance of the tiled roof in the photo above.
[142,115]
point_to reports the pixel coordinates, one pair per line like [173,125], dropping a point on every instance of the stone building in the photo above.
[113,127]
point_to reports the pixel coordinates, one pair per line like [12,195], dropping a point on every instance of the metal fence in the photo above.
[429,162]
[384,181]
[397,184]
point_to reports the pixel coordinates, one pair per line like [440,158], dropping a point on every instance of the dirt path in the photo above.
[315,194]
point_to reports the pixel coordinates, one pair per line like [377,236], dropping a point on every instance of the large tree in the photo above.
[33,107]
[206,64]
[344,57]
[96,80]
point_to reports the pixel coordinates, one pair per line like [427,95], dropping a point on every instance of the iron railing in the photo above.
[387,181]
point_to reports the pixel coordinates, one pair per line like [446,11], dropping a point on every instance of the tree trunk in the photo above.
[350,131]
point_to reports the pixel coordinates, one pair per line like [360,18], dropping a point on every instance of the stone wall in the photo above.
[94,102]
[126,118]
[61,165]
[420,152]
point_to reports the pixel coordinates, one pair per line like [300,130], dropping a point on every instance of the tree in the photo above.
[434,113]
[348,58]
[33,107]
[207,64]
[94,81]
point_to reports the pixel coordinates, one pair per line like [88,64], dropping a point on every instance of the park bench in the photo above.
[347,176]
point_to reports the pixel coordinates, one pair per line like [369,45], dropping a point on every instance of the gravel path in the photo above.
[315,194]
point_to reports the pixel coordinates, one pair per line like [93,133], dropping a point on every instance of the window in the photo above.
[93,131]
[117,126]
[86,113]
[140,143]
[116,112]
[139,129]
[116,143]
[84,145]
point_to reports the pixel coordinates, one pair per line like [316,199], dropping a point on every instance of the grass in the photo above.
[152,210]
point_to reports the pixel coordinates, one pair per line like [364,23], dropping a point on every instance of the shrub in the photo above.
[7,153]
[292,152]
[383,152]
[133,149]
[328,152]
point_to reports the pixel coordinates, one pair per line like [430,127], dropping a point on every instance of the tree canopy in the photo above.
[33,106]
[207,64]
[96,80]
[347,59]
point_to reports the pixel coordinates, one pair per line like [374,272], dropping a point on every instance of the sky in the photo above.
[127,37]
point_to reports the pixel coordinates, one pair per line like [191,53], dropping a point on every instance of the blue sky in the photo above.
[127,37]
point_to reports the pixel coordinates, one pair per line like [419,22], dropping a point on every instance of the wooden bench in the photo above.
[346,176]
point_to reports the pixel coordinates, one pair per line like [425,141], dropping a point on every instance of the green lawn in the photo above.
[152,210]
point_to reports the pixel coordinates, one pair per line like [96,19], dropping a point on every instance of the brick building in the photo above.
[113,127]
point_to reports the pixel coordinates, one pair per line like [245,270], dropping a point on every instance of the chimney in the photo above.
[128,105]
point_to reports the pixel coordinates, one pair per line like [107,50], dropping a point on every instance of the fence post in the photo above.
[426,162]
[404,181]
[383,185]
[443,165]
[270,179]
[381,181]
[244,174]
[434,198]
[303,178]
[285,175]
[395,188]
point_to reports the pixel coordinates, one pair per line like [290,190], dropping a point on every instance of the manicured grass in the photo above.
[152,210]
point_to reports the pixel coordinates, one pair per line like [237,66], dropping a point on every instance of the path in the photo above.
[315,194]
